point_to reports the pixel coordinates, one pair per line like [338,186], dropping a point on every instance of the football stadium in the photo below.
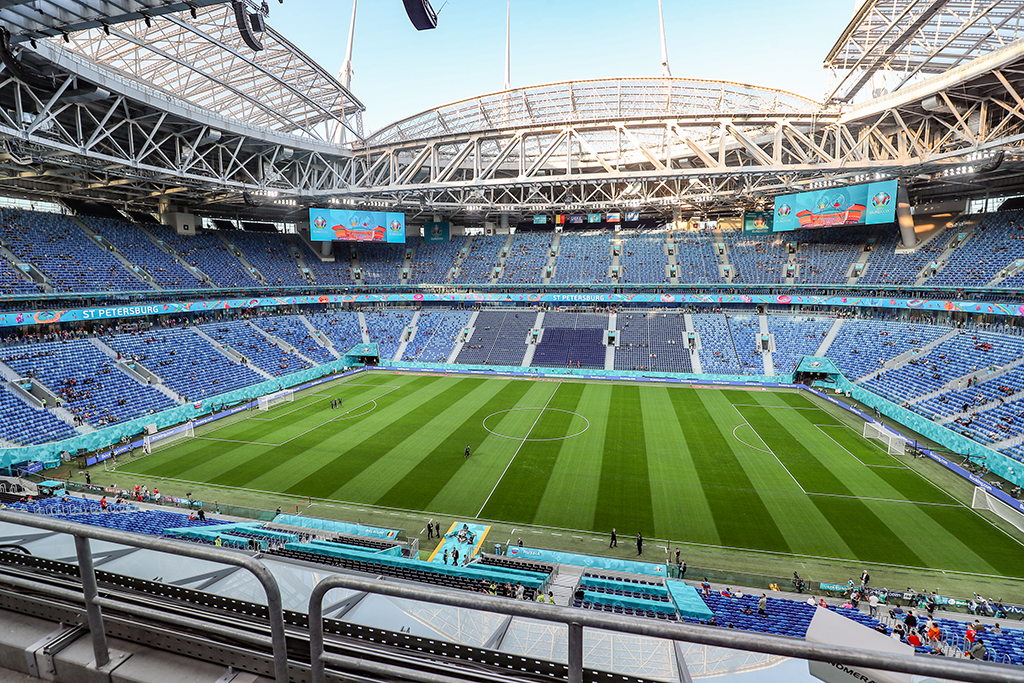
[595,378]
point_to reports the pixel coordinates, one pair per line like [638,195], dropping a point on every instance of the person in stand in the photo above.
[762,604]
[446,557]
[865,578]
[639,544]
[218,542]
[978,650]
[615,540]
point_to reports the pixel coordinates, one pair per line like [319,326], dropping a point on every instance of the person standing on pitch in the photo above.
[615,540]
[639,544]
[467,450]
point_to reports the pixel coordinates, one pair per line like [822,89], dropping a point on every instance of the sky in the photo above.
[399,71]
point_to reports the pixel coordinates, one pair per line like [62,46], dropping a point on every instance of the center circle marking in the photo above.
[519,438]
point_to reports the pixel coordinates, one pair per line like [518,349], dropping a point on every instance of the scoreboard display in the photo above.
[338,225]
[867,204]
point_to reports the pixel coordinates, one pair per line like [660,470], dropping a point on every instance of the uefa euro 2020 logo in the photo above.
[320,222]
[785,210]
[881,199]
[395,225]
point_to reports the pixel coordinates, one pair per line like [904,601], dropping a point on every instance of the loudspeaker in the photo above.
[421,14]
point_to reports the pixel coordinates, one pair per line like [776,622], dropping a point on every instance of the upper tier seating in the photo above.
[136,246]
[386,328]
[484,252]
[528,258]
[756,258]
[436,335]
[327,273]
[825,255]
[209,254]
[24,424]
[381,264]
[341,327]
[10,283]
[290,329]
[184,361]
[642,256]
[696,257]
[886,267]
[499,338]
[271,255]
[745,330]
[432,261]
[795,338]
[996,242]
[59,248]
[261,352]
[583,258]
[861,344]
[652,341]
[87,381]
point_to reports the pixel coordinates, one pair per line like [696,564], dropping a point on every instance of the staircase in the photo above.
[694,352]
[231,354]
[321,338]
[766,356]
[412,328]
[905,357]
[145,376]
[137,272]
[830,337]
[552,257]
[167,249]
[459,344]
[280,343]
[564,584]
[237,253]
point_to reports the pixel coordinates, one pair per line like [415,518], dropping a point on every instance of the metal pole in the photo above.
[938,667]
[92,610]
[575,653]
[202,552]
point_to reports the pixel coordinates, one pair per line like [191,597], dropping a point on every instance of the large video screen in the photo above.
[342,225]
[865,204]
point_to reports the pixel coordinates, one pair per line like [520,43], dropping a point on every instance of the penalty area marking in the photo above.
[898,466]
[542,411]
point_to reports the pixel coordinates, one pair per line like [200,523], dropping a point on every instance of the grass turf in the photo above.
[757,470]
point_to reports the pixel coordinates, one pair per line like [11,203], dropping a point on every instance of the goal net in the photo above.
[894,444]
[268,401]
[168,437]
[983,500]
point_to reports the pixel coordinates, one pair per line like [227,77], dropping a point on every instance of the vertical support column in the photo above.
[504,224]
[904,217]
[326,248]
[96,630]
[575,653]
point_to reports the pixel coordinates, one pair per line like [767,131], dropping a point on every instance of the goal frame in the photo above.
[983,500]
[268,401]
[167,437]
[894,444]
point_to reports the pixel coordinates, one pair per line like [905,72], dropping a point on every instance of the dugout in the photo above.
[363,354]
[814,371]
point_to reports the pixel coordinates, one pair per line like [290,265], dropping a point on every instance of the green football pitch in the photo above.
[767,470]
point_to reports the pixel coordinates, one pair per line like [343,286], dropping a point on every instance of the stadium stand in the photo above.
[386,328]
[271,255]
[642,256]
[184,361]
[86,380]
[26,425]
[756,259]
[795,338]
[499,338]
[261,352]
[696,257]
[433,261]
[527,258]
[886,267]
[337,272]
[718,350]
[136,246]
[290,329]
[863,345]
[10,283]
[583,257]
[210,255]
[381,263]
[825,255]
[652,341]
[484,252]
[64,253]
[437,332]
[341,327]
[996,241]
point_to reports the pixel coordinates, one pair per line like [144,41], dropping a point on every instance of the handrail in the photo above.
[577,619]
[83,532]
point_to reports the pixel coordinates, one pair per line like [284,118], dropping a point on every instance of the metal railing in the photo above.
[83,532]
[578,619]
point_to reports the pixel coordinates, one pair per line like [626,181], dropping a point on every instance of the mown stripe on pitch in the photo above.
[741,518]
[421,484]
[358,456]
[518,496]
[306,447]
[624,493]
[992,545]
[303,453]
[869,537]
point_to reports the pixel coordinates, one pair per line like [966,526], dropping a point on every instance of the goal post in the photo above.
[168,437]
[894,444]
[983,500]
[268,401]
